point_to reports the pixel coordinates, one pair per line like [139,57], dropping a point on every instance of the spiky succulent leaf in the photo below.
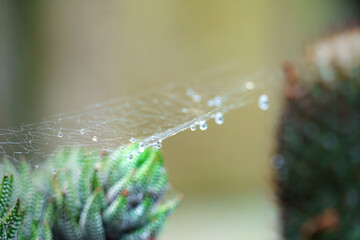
[155,223]
[11,222]
[46,233]
[6,188]
[116,209]
[67,223]
[91,222]
[93,196]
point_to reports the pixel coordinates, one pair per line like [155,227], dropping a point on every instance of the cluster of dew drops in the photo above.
[263,104]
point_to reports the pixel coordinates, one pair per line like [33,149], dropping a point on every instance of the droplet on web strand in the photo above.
[263,102]
[202,125]
[60,134]
[219,118]
[157,144]
[141,147]
[196,98]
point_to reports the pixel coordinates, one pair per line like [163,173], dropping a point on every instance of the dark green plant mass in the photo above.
[80,195]
[318,161]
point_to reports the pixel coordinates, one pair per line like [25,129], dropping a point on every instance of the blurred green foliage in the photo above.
[318,177]
[87,196]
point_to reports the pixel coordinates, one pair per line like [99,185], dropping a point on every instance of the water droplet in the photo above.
[184,110]
[193,127]
[249,85]
[141,147]
[60,134]
[95,139]
[82,131]
[130,157]
[132,139]
[218,101]
[263,102]
[211,102]
[203,125]
[196,98]
[219,118]
[152,138]
[53,171]
[157,144]
[122,148]
[36,166]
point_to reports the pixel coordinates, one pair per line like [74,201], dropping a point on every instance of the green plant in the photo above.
[80,195]
[318,161]
[10,219]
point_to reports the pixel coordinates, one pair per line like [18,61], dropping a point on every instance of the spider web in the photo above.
[146,118]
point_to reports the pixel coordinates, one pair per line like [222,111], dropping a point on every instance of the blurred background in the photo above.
[58,56]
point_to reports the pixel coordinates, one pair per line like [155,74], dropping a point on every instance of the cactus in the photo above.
[87,196]
[318,155]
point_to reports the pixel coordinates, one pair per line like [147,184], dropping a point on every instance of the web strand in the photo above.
[148,117]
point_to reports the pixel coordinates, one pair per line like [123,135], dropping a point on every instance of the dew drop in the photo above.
[152,138]
[132,139]
[203,125]
[60,134]
[219,118]
[218,101]
[196,98]
[53,171]
[193,127]
[141,147]
[36,166]
[184,110]
[95,139]
[82,131]
[263,102]
[130,157]
[249,85]
[158,144]
[211,103]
